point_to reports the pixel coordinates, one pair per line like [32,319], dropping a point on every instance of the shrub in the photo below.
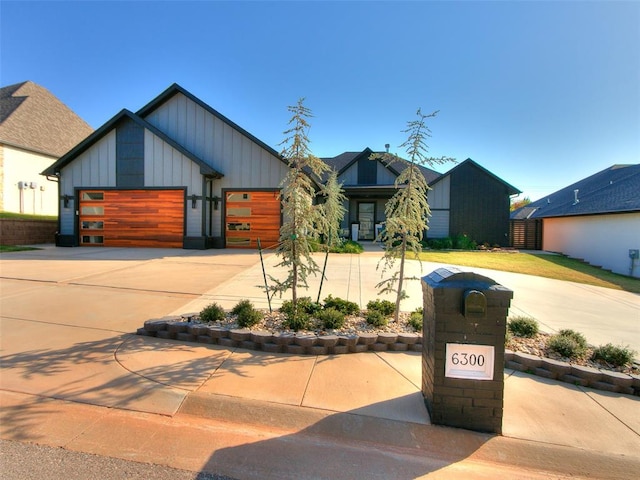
[212,313]
[297,320]
[375,318]
[523,327]
[304,304]
[247,315]
[568,343]
[348,246]
[440,243]
[415,320]
[385,307]
[331,318]
[617,356]
[344,306]
[463,242]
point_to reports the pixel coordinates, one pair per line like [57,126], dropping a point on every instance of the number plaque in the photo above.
[473,362]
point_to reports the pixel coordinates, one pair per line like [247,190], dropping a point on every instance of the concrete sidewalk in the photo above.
[67,353]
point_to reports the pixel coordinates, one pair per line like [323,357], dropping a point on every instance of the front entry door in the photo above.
[366,213]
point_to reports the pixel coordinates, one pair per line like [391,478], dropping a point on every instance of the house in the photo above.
[35,130]
[596,219]
[177,173]
[468,199]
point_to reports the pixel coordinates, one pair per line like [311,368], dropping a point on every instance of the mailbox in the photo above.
[475,304]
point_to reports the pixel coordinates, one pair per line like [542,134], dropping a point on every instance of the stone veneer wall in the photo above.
[27,232]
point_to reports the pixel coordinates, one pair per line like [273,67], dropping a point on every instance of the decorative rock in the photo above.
[367,338]
[155,325]
[305,340]
[398,347]
[217,332]
[408,338]
[261,337]
[328,340]
[189,317]
[387,337]
[240,334]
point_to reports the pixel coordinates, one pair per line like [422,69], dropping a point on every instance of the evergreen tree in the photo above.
[332,209]
[407,211]
[301,215]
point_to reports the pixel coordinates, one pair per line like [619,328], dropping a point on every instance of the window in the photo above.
[92,195]
[238,197]
[92,225]
[95,239]
[238,226]
[92,210]
[239,212]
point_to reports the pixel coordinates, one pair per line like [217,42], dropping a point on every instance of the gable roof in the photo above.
[469,162]
[344,161]
[32,118]
[205,169]
[174,89]
[613,190]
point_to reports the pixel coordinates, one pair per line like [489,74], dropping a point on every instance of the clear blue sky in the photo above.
[541,93]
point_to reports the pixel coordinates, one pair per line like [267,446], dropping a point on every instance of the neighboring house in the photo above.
[596,219]
[35,130]
[179,174]
[468,199]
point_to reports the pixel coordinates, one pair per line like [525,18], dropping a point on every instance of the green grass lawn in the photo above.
[24,216]
[549,266]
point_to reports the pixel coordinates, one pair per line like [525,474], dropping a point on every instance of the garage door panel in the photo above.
[133,218]
[251,216]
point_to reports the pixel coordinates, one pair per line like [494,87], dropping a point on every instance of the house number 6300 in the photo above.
[465,359]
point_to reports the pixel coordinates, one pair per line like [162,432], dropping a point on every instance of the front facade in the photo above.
[35,130]
[596,219]
[466,200]
[175,174]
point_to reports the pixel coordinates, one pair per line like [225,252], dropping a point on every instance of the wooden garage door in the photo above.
[132,218]
[252,215]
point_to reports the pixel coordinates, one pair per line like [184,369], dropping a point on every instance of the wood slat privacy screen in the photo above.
[252,215]
[132,218]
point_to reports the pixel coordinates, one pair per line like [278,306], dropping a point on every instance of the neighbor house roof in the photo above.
[205,169]
[613,190]
[33,119]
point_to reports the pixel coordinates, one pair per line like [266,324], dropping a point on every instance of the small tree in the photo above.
[407,211]
[332,213]
[300,213]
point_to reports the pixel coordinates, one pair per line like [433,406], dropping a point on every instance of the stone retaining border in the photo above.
[180,328]
[575,374]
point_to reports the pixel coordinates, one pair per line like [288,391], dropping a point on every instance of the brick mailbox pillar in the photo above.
[465,318]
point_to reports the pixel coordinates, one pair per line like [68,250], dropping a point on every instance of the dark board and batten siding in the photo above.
[481,209]
[129,154]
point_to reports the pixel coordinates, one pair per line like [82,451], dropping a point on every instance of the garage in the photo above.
[252,215]
[131,218]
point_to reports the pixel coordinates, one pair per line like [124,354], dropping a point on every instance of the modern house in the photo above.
[35,130]
[468,199]
[177,173]
[596,219]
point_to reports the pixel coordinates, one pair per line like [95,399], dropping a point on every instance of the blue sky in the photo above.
[540,93]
